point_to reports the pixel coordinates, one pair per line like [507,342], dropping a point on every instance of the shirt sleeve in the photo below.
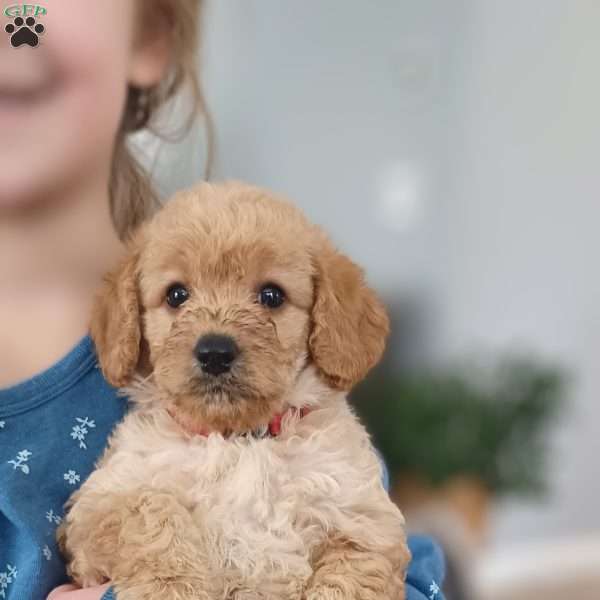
[109,595]
[426,570]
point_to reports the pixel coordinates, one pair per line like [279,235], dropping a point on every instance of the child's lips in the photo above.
[19,96]
[16,102]
[10,101]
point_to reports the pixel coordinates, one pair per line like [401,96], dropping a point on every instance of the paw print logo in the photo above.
[24,31]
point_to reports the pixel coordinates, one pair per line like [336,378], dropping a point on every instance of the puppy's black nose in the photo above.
[216,353]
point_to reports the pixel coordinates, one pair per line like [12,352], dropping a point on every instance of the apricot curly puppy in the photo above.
[240,472]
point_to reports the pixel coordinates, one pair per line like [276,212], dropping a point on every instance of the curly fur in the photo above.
[175,515]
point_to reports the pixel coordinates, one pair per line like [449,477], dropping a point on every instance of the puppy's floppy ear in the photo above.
[115,325]
[349,322]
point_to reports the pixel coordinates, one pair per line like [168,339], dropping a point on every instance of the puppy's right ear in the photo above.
[115,325]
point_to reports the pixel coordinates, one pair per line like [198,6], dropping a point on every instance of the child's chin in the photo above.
[18,190]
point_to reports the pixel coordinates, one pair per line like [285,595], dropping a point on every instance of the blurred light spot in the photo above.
[400,205]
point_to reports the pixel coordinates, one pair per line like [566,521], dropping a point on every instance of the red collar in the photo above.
[273,429]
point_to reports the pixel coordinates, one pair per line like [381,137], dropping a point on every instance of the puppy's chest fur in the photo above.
[262,506]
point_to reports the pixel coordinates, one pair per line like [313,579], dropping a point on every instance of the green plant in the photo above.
[491,426]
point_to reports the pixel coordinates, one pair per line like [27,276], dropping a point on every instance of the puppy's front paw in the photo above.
[164,590]
[344,571]
[329,592]
[269,589]
[325,592]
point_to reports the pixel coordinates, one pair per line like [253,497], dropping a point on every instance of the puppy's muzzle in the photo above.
[216,353]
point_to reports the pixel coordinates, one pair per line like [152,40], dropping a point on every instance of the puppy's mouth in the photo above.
[270,428]
[226,403]
[224,388]
[222,411]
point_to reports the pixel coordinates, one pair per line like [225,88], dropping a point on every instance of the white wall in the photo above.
[522,222]
[452,149]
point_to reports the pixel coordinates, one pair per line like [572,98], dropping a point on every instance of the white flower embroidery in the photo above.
[53,518]
[79,432]
[434,588]
[47,552]
[19,462]
[72,477]
[7,577]
[2,424]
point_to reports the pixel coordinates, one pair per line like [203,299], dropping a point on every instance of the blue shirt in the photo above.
[52,429]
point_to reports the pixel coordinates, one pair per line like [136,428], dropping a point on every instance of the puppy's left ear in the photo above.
[349,323]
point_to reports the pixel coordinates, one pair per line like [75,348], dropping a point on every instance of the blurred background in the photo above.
[451,148]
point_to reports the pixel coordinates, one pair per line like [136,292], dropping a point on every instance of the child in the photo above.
[70,191]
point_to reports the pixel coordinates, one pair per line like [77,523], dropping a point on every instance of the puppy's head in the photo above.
[231,294]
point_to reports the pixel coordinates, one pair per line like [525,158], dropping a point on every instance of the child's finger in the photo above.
[72,592]
[56,592]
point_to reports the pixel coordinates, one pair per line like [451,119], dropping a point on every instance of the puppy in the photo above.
[240,472]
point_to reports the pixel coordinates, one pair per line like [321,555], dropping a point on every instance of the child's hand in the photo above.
[72,592]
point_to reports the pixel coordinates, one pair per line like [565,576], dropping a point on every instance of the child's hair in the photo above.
[132,194]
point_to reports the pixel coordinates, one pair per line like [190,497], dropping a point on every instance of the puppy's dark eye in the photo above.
[177,294]
[271,296]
